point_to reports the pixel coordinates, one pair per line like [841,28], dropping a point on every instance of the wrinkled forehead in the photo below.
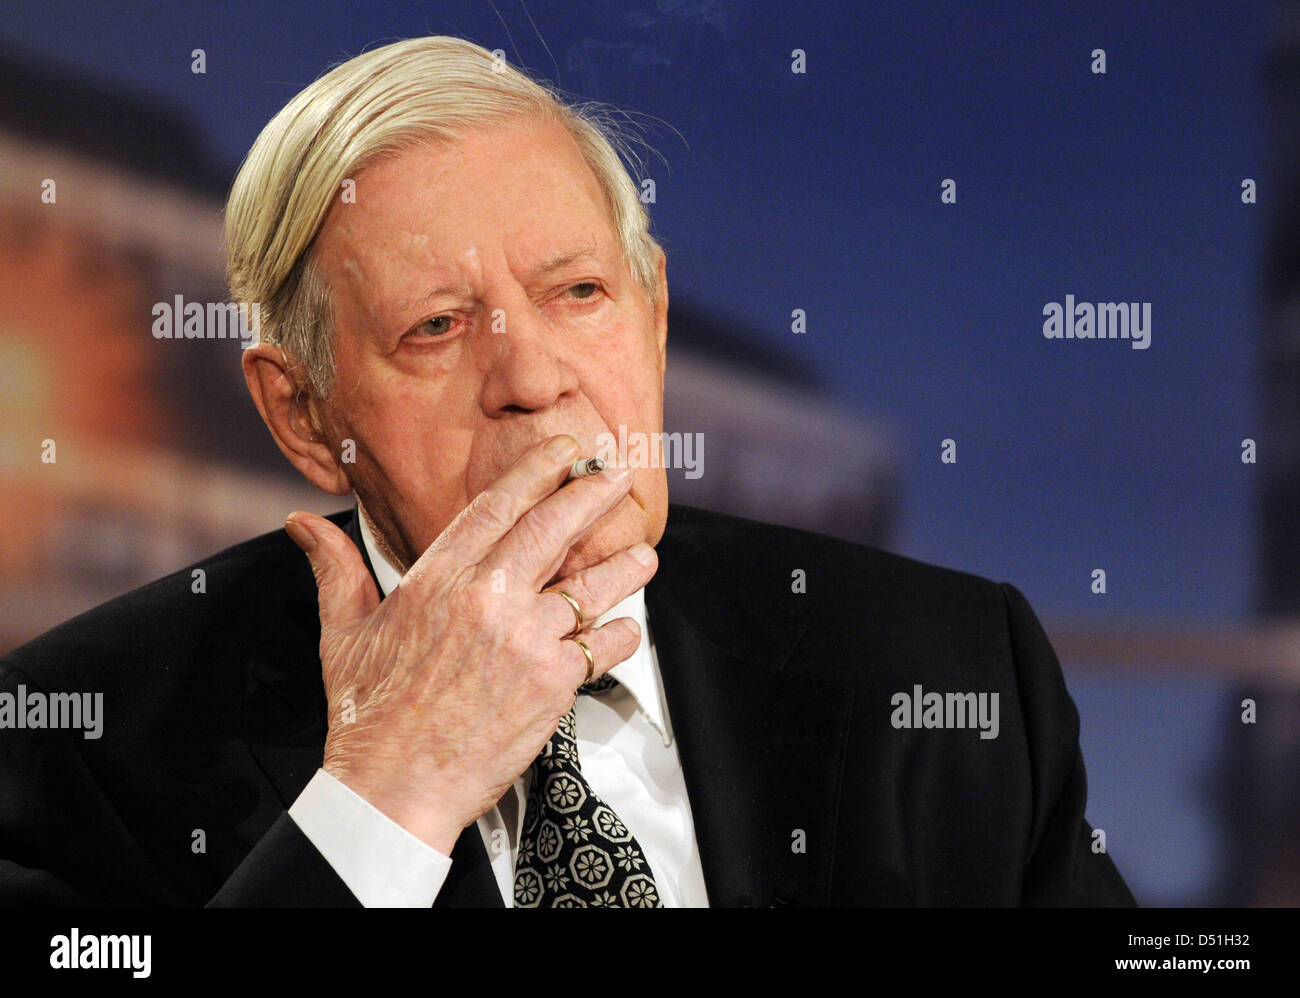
[513,195]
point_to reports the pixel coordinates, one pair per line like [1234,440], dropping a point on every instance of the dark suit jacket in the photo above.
[802,790]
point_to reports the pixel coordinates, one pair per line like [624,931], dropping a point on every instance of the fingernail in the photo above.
[563,448]
[300,534]
[643,553]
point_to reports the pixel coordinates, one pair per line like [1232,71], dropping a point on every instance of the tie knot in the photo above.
[599,685]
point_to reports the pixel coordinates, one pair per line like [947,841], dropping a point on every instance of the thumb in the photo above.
[346,591]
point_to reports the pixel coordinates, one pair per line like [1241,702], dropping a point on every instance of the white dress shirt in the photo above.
[628,756]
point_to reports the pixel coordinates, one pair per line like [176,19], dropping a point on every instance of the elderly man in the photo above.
[527,687]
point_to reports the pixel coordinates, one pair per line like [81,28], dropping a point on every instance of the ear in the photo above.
[661,312]
[280,392]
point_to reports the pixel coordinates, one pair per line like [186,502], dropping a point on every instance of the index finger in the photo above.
[492,513]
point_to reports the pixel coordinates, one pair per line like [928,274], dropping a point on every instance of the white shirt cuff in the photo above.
[382,864]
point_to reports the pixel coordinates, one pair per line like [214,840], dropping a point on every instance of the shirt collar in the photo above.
[637,674]
[385,571]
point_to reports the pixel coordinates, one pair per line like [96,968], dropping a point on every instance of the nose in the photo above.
[525,365]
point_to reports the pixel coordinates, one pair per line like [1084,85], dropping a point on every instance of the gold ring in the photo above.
[591,662]
[577,611]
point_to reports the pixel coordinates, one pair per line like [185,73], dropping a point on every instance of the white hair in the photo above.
[375,105]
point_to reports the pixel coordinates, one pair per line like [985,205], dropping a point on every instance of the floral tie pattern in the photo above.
[574,851]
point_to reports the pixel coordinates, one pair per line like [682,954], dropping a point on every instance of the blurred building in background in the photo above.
[120,454]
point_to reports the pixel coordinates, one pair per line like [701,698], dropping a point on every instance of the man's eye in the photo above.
[584,290]
[437,326]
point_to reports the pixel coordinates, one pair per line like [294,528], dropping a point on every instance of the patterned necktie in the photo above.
[574,851]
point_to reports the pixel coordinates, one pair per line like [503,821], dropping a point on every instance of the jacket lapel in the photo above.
[284,702]
[761,743]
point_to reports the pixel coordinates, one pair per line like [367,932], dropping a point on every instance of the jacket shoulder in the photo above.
[854,572]
[242,590]
[865,615]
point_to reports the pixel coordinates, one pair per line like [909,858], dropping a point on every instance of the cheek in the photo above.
[401,447]
[628,384]
[651,488]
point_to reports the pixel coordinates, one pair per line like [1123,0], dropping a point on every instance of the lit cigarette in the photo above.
[587,466]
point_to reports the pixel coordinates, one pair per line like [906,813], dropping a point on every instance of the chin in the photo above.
[618,529]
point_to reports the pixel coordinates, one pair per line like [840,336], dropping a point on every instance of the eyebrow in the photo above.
[548,266]
[562,260]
